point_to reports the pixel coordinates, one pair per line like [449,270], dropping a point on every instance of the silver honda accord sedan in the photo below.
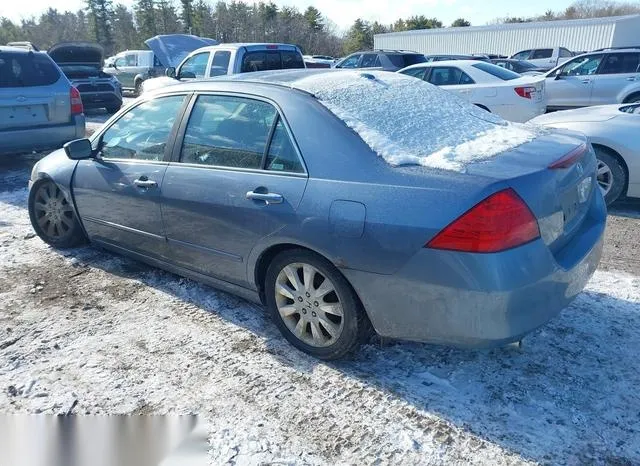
[343,201]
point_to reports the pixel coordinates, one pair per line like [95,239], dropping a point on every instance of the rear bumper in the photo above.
[480,300]
[41,138]
[521,113]
[101,99]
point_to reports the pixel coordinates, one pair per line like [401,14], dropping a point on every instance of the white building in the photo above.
[507,39]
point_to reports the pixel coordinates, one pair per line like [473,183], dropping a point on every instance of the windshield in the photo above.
[418,123]
[497,71]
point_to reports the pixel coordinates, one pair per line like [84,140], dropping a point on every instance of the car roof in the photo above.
[9,48]
[445,63]
[614,50]
[237,45]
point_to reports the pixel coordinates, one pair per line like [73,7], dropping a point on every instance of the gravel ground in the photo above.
[91,332]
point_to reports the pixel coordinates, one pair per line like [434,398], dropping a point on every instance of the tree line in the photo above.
[117,27]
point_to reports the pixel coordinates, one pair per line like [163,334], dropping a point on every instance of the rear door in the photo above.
[544,58]
[618,70]
[118,193]
[33,91]
[236,177]
[571,85]
[453,79]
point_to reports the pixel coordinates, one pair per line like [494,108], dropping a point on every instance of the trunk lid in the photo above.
[558,197]
[79,53]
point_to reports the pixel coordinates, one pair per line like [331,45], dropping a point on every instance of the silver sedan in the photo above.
[613,131]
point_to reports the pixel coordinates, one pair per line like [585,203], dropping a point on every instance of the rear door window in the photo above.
[369,60]
[620,63]
[228,132]
[220,63]
[564,53]
[27,70]
[282,155]
[541,53]
[448,76]
[271,60]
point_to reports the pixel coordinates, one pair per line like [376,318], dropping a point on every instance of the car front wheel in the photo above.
[612,177]
[314,306]
[53,217]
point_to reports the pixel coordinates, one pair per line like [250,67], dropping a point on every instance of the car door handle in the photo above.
[269,198]
[144,182]
[586,81]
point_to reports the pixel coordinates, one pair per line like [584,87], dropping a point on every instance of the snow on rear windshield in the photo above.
[409,121]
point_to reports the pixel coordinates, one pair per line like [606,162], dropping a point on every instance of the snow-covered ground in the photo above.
[91,332]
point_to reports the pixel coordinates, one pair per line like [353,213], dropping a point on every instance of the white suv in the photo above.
[595,78]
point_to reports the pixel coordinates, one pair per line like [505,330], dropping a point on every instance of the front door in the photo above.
[118,193]
[238,179]
[618,71]
[571,85]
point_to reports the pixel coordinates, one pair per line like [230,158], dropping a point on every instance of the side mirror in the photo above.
[78,149]
[170,72]
[558,75]
[114,65]
[187,75]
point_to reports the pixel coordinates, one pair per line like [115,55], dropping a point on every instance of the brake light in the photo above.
[501,221]
[526,91]
[272,47]
[571,158]
[76,101]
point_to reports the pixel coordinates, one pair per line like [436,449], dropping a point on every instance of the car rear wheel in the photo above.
[53,217]
[612,177]
[313,305]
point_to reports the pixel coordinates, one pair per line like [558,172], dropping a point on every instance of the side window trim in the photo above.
[186,113]
[169,149]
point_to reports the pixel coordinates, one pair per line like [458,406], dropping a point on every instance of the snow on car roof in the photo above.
[409,121]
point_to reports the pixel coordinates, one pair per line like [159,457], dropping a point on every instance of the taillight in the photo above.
[501,221]
[571,158]
[526,91]
[272,47]
[76,101]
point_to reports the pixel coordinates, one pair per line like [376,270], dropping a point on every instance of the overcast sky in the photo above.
[344,12]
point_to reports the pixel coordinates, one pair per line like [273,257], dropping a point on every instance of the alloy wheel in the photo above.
[309,305]
[605,177]
[52,211]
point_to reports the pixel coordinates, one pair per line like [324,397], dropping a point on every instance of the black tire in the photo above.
[616,175]
[114,109]
[138,88]
[69,233]
[633,98]
[355,324]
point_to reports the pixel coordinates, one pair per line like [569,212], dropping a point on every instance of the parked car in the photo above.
[133,67]
[519,66]
[81,62]
[613,131]
[23,45]
[387,60]
[318,61]
[490,87]
[39,108]
[230,185]
[545,58]
[596,78]
[431,58]
[223,59]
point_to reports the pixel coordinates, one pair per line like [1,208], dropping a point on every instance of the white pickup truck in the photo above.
[544,58]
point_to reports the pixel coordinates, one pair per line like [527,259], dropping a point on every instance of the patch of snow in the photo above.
[409,121]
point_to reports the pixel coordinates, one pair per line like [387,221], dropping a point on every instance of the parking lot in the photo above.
[86,331]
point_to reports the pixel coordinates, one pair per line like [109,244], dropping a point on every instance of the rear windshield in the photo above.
[271,60]
[497,71]
[418,123]
[407,59]
[27,70]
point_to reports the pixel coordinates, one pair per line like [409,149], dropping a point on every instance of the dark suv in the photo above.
[387,60]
